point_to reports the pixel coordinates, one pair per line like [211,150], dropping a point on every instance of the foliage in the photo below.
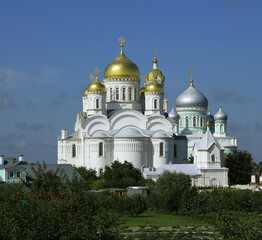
[47,180]
[170,188]
[237,225]
[122,175]
[6,190]
[88,175]
[240,167]
[48,210]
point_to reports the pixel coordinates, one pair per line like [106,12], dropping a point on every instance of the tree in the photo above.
[122,175]
[240,167]
[170,188]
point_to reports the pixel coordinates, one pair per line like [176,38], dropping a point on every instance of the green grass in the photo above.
[152,218]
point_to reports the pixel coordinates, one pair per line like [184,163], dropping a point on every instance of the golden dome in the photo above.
[154,86]
[156,73]
[122,67]
[95,86]
[142,91]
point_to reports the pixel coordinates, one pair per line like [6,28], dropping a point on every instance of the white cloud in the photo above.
[21,144]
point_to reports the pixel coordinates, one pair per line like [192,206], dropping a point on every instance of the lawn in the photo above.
[152,218]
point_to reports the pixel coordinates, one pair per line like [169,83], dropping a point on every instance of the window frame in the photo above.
[73,150]
[100,149]
[161,149]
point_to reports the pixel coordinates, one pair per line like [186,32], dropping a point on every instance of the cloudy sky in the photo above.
[49,48]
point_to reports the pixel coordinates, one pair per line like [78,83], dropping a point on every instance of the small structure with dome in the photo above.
[124,121]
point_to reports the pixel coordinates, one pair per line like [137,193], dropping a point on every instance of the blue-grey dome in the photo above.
[210,117]
[173,114]
[220,115]
[191,98]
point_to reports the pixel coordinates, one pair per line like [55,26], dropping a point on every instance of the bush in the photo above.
[169,190]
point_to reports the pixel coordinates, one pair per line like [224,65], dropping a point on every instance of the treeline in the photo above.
[52,207]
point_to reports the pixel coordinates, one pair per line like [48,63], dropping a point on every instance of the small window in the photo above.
[111,94]
[101,150]
[124,94]
[174,150]
[135,94]
[187,122]
[18,174]
[117,93]
[221,128]
[213,158]
[155,104]
[130,94]
[194,121]
[120,194]
[11,174]
[201,121]
[161,150]
[97,103]
[73,150]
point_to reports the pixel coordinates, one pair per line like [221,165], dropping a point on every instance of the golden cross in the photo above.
[173,103]
[191,71]
[209,107]
[220,102]
[96,71]
[91,77]
[145,77]
[155,53]
[121,40]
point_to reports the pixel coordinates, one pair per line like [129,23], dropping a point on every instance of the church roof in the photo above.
[129,133]
[207,141]
[188,169]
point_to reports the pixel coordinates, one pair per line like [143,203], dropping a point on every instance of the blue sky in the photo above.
[49,48]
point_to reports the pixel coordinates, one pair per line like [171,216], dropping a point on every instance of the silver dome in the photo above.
[191,98]
[173,114]
[220,115]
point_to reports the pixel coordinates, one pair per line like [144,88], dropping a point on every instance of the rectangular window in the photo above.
[73,150]
[161,150]
[11,174]
[18,174]
[174,150]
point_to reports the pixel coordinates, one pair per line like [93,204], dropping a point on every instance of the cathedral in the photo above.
[124,121]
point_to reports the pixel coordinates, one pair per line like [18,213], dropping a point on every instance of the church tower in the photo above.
[94,96]
[220,123]
[122,81]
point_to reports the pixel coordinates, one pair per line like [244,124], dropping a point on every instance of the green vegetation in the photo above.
[51,207]
[240,166]
[153,218]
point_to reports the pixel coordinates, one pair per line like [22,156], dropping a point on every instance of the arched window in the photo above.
[213,158]
[135,94]
[117,93]
[201,122]
[221,128]
[155,104]
[97,103]
[111,94]
[101,150]
[194,121]
[174,150]
[161,149]
[124,94]
[73,150]
[130,94]
[187,122]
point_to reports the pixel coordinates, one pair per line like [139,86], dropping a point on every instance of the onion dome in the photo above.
[155,73]
[173,114]
[220,115]
[210,117]
[94,86]
[121,67]
[154,86]
[191,97]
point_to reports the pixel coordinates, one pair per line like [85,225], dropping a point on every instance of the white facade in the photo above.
[121,122]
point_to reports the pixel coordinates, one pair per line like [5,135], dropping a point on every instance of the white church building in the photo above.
[122,121]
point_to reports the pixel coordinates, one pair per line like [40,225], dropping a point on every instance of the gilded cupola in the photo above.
[121,67]
[96,85]
[154,86]
[156,73]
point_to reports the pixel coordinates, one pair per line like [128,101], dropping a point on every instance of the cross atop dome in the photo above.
[121,40]
[96,71]
[91,77]
[191,77]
